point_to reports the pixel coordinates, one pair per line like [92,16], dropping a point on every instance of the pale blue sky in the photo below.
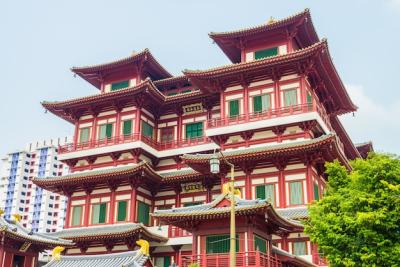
[41,40]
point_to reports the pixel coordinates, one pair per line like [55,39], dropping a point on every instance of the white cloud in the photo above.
[373,121]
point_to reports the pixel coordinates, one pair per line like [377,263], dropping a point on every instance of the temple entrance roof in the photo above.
[127,259]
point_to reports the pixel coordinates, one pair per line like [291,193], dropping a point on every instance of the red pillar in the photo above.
[277,94]
[2,251]
[112,206]
[68,213]
[246,103]
[76,133]
[222,105]
[138,120]
[87,207]
[94,130]
[133,204]
[179,126]
[282,188]
[178,196]
[303,90]
[248,184]
[118,126]
[310,187]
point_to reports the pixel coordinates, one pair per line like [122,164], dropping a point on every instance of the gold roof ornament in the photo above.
[16,218]
[144,246]
[56,254]
[1,212]
[271,20]
[226,189]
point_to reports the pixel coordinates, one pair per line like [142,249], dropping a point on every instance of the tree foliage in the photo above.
[357,222]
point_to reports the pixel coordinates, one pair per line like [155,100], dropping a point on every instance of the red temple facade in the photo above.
[143,143]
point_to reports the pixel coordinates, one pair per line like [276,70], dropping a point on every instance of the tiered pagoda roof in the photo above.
[364,148]
[327,145]
[220,208]
[114,175]
[127,259]
[301,23]
[108,232]
[16,232]
[150,66]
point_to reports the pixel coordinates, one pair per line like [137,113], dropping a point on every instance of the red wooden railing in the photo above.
[243,259]
[71,147]
[270,114]
[174,231]
[319,259]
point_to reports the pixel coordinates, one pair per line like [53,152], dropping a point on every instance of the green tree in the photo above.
[357,222]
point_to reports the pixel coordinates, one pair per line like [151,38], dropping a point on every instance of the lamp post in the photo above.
[215,169]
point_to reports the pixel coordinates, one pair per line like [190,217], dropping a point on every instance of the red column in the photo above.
[76,133]
[310,187]
[94,129]
[246,102]
[282,189]
[177,196]
[2,251]
[277,94]
[112,206]
[248,184]
[179,126]
[222,105]
[138,120]
[7,259]
[68,213]
[118,126]
[133,204]
[303,90]
[87,208]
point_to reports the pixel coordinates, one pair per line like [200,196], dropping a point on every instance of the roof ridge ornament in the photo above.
[56,253]
[271,20]
[144,247]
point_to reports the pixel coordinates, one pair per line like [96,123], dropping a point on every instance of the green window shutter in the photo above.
[172,93]
[102,131]
[186,91]
[121,213]
[260,192]
[299,248]
[266,53]
[290,97]
[260,244]
[109,129]
[147,129]
[76,215]
[127,127]
[84,136]
[143,213]
[219,244]
[190,204]
[270,193]
[167,261]
[257,104]
[194,130]
[99,213]
[233,108]
[296,193]
[316,192]
[309,98]
[119,85]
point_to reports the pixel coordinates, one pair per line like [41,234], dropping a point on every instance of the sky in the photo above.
[42,39]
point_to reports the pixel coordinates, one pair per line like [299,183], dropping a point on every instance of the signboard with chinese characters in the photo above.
[193,108]
[192,187]
[25,246]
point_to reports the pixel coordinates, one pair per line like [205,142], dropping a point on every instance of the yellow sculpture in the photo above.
[16,217]
[1,212]
[144,246]
[57,253]
[226,189]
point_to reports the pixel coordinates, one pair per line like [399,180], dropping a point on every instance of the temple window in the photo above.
[309,98]
[316,191]
[76,215]
[233,108]
[127,127]
[99,213]
[261,103]
[220,244]
[147,129]
[296,193]
[105,131]
[84,135]
[194,130]
[190,204]
[300,248]
[163,261]
[119,85]
[270,52]
[122,211]
[260,244]
[267,192]
[143,213]
[167,134]
[290,97]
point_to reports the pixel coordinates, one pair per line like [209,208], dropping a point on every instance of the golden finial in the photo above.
[17,217]
[1,212]
[144,246]
[56,254]
[226,189]
[271,20]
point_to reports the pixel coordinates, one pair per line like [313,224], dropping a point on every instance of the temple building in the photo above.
[140,158]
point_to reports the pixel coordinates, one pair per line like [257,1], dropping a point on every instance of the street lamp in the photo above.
[215,169]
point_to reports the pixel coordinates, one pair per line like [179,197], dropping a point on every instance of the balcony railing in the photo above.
[72,147]
[174,231]
[270,114]
[243,259]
